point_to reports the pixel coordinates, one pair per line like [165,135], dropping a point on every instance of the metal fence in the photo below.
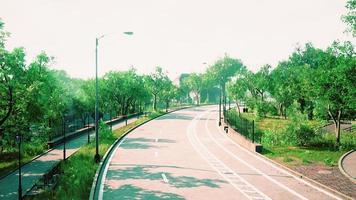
[243,126]
[72,123]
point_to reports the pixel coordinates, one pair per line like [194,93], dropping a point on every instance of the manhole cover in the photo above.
[324,172]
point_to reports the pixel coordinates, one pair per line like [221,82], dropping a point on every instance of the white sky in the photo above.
[178,35]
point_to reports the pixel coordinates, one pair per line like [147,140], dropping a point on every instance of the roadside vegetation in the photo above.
[78,171]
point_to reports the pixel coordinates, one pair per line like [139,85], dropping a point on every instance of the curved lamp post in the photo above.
[97,156]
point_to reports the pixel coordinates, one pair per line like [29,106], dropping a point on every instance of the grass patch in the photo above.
[78,171]
[303,155]
[320,150]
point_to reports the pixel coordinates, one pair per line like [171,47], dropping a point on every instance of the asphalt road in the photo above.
[185,155]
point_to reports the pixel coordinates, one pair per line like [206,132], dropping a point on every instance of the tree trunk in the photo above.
[281,110]
[337,124]
[155,102]
[207,97]
[167,105]
[238,107]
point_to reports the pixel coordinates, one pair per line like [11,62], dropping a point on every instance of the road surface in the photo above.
[185,155]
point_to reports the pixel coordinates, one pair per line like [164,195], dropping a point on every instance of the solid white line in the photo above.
[276,167]
[249,165]
[190,127]
[101,190]
[164,178]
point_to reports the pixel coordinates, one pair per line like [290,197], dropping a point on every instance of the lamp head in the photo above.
[128,33]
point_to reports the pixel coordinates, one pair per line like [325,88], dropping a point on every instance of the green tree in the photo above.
[156,83]
[336,83]
[350,17]
[223,70]
[195,85]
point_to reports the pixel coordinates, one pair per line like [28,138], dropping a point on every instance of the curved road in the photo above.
[185,155]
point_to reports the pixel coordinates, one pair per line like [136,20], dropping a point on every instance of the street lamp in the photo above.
[97,156]
[19,140]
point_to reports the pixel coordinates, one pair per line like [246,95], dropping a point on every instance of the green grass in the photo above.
[275,122]
[321,151]
[294,156]
[79,169]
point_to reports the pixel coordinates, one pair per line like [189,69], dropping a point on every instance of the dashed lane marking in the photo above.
[165,178]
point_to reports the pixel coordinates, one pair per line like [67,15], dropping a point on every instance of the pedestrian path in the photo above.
[33,171]
[349,165]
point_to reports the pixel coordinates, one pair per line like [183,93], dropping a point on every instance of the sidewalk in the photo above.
[348,164]
[33,171]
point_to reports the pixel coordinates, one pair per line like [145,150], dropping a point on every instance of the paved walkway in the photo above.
[33,171]
[349,165]
[185,155]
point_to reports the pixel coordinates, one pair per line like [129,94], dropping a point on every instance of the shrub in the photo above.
[304,135]
[105,133]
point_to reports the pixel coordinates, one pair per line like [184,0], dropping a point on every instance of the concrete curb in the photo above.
[301,176]
[98,174]
[341,167]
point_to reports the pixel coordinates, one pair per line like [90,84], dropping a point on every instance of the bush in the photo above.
[105,132]
[262,109]
[328,141]
[304,135]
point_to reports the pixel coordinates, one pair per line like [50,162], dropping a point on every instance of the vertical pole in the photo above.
[253,131]
[246,131]
[20,178]
[97,156]
[64,139]
[88,129]
[220,107]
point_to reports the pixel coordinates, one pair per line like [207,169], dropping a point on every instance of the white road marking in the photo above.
[165,178]
[156,140]
[103,178]
[249,165]
[156,154]
[276,167]
[235,180]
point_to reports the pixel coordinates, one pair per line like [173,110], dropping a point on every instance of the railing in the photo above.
[350,129]
[243,126]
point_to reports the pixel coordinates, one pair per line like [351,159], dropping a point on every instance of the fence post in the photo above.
[87,127]
[253,131]
[246,130]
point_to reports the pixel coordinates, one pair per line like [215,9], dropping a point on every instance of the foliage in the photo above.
[350,17]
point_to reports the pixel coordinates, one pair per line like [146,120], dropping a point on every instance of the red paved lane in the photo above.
[184,155]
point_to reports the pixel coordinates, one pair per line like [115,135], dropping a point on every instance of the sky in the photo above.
[178,35]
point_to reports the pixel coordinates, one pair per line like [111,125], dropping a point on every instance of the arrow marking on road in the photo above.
[164,178]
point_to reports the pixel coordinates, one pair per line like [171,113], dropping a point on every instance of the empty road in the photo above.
[185,155]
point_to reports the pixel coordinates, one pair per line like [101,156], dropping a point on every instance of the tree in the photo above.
[336,83]
[168,93]
[222,71]
[237,91]
[350,17]
[156,83]
[195,84]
